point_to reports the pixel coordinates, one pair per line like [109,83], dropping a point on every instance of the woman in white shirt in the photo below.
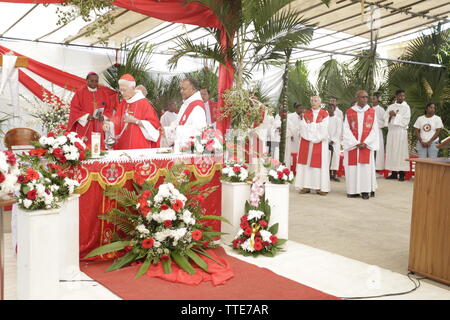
[428,127]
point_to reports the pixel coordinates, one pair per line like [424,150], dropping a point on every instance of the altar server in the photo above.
[210,107]
[338,112]
[166,120]
[191,119]
[396,118]
[293,133]
[136,122]
[379,111]
[313,158]
[87,108]
[360,141]
[334,140]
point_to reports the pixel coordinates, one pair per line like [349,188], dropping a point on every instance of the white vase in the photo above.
[69,239]
[38,252]
[234,196]
[278,196]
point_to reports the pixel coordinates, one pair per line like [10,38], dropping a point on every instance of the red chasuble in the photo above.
[132,137]
[360,155]
[188,111]
[316,157]
[85,101]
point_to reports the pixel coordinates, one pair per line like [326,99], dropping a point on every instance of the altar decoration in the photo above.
[255,237]
[200,145]
[280,175]
[9,172]
[161,224]
[236,172]
[51,112]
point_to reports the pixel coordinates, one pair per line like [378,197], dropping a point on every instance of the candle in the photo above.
[95,144]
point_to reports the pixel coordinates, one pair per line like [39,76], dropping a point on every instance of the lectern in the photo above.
[429,251]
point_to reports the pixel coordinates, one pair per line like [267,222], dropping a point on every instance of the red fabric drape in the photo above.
[35,87]
[174,11]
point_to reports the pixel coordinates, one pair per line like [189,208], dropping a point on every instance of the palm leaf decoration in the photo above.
[299,89]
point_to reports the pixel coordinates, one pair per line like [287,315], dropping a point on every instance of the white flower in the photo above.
[40,190]
[265,235]
[199,148]
[291,176]
[225,170]
[157,244]
[240,232]
[273,174]
[142,229]
[187,217]
[230,173]
[246,246]
[27,203]
[255,214]
[243,175]
[61,140]
[285,177]
[162,235]
[177,234]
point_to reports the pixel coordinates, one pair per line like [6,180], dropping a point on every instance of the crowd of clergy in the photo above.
[317,134]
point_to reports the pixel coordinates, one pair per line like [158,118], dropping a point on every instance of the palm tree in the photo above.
[299,89]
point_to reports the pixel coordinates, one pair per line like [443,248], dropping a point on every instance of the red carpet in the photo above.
[249,283]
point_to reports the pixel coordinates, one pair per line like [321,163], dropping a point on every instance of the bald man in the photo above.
[360,143]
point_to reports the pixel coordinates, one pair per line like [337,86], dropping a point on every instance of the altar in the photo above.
[120,168]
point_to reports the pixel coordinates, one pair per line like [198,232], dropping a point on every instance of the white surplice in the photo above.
[292,137]
[379,156]
[362,176]
[308,177]
[397,137]
[335,134]
[194,125]
[166,120]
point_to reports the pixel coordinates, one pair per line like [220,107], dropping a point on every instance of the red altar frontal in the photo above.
[120,169]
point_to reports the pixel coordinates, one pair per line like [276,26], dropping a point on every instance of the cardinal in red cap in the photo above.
[136,122]
[87,108]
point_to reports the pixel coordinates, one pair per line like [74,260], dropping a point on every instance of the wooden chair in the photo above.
[20,137]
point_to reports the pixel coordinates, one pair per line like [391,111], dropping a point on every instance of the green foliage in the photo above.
[299,88]
[110,247]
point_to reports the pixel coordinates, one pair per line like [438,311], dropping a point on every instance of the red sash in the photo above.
[188,111]
[360,155]
[316,156]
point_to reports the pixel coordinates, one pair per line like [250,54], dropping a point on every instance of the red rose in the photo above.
[61,174]
[142,202]
[146,194]
[22,179]
[248,232]
[51,134]
[236,243]
[263,223]
[273,239]
[266,244]
[62,127]
[186,172]
[57,152]
[258,239]
[164,206]
[244,166]
[63,159]
[244,225]
[82,156]
[144,211]
[177,205]
[197,235]
[286,171]
[2,177]
[31,195]
[237,169]
[280,174]
[168,223]
[258,246]
[244,218]
[32,174]
[148,243]
[165,257]
[54,167]
[205,244]
[11,157]
[79,146]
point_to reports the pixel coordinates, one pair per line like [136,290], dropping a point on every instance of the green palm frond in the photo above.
[299,89]
[119,218]
[123,196]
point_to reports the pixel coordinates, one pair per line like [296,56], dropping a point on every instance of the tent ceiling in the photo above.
[338,26]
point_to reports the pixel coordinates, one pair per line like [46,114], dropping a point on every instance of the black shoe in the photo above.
[372,194]
[353,195]
[365,195]
[401,176]
[335,179]
[393,176]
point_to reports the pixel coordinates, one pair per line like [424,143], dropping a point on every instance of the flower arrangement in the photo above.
[199,145]
[161,224]
[61,147]
[9,172]
[50,113]
[236,173]
[254,236]
[281,175]
[44,188]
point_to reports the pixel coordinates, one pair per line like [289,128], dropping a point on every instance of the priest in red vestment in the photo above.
[87,108]
[136,122]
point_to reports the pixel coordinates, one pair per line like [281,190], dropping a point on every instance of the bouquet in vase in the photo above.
[9,172]
[236,173]
[281,175]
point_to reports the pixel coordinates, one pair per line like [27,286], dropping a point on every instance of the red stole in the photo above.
[316,156]
[360,155]
[189,109]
